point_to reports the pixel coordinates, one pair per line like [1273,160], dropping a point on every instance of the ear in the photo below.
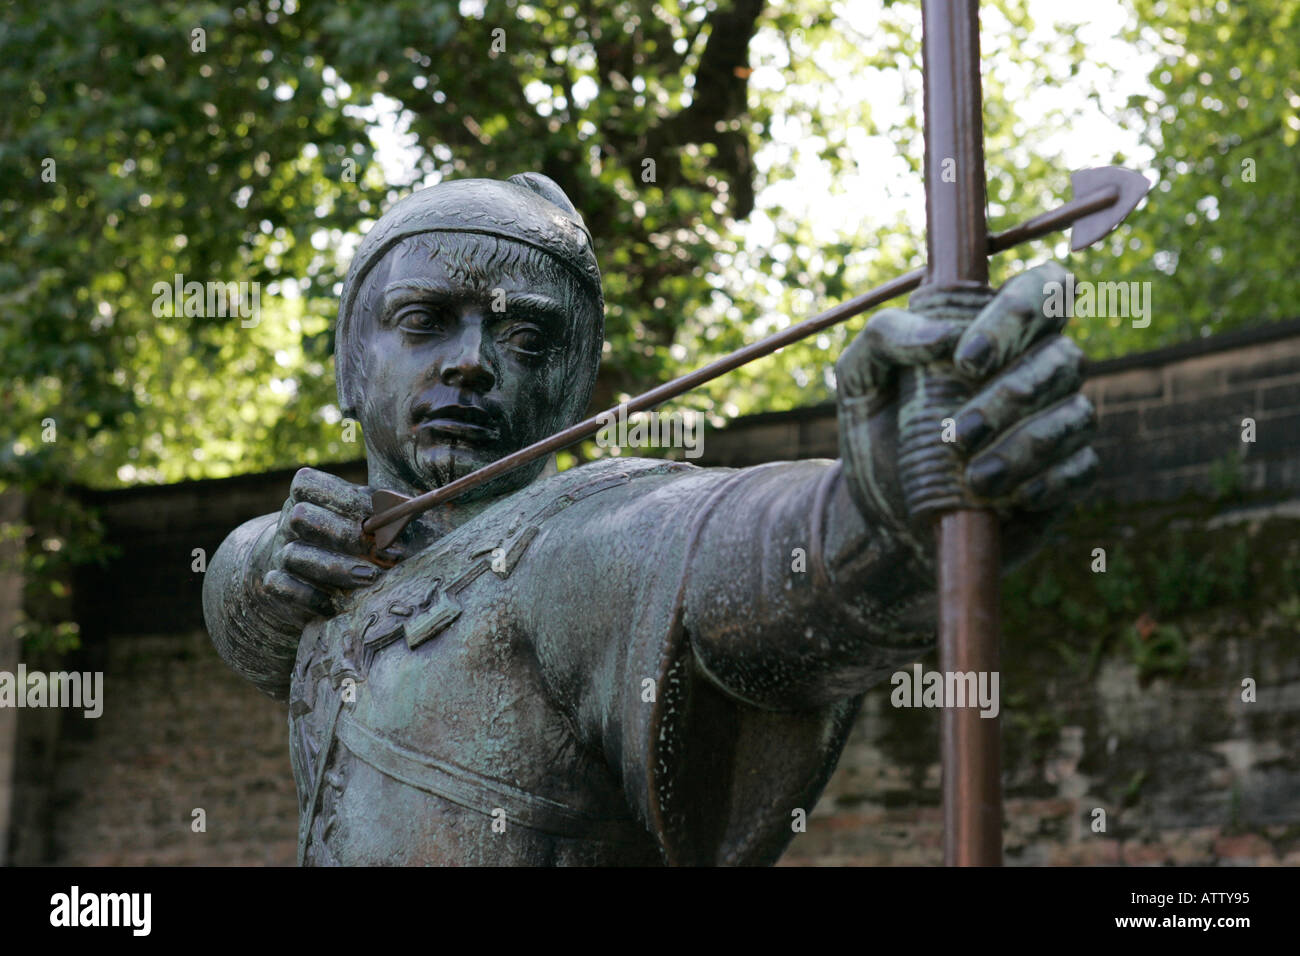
[546,187]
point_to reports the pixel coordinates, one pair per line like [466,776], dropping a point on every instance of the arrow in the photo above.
[1103,197]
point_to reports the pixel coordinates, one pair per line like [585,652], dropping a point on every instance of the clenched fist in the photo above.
[1022,436]
[318,551]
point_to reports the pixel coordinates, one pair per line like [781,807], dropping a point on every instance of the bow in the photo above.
[955,285]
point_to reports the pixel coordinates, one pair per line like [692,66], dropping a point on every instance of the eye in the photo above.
[525,338]
[421,320]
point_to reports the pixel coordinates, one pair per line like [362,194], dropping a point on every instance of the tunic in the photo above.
[631,662]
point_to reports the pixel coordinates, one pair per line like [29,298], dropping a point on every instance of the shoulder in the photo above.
[603,481]
[606,469]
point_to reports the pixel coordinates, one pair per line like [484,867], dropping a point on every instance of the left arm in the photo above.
[808,581]
[796,597]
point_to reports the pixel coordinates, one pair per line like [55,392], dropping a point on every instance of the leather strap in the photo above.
[322,760]
[474,791]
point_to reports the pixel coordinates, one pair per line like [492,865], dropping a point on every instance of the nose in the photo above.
[465,365]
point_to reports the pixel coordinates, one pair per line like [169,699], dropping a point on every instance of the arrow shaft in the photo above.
[1041,225]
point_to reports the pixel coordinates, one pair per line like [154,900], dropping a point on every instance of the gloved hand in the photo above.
[1021,438]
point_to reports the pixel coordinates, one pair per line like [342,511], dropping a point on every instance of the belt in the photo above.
[481,794]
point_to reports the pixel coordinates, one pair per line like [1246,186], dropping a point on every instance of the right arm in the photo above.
[275,574]
[249,631]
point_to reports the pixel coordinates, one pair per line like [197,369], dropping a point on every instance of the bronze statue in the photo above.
[633,661]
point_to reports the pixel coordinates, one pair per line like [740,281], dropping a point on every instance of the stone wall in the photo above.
[1186,771]
[151,586]
[1173,421]
[180,732]
[1214,782]
[11,600]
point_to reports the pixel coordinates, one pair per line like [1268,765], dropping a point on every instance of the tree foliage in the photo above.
[237,143]
[216,144]
[1217,237]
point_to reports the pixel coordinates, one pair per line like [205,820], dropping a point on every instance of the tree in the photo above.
[235,144]
[1216,239]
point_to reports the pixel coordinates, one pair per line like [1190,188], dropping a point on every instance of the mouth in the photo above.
[464,423]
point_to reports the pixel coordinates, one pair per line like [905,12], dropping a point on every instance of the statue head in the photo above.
[470,325]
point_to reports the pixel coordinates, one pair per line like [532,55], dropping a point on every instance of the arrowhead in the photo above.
[380,502]
[1132,187]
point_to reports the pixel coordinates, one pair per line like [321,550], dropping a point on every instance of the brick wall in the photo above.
[182,732]
[1170,419]
[179,732]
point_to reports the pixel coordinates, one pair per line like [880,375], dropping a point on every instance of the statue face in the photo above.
[464,341]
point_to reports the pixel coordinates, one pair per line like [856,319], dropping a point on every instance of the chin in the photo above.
[440,465]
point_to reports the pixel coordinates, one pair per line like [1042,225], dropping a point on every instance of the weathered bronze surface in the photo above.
[633,661]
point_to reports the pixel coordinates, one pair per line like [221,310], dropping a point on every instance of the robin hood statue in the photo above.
[633,661]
